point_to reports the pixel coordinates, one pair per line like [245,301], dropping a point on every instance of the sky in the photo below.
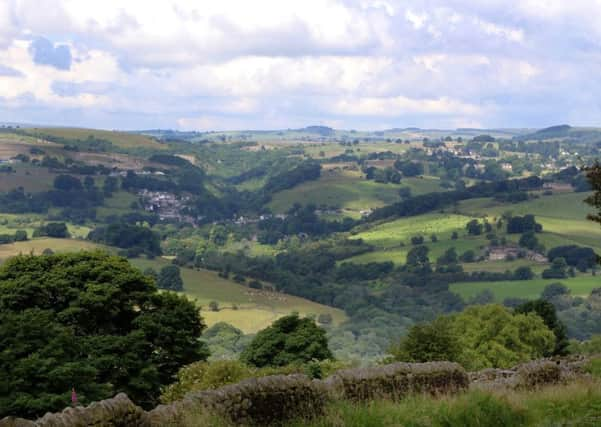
[275,64]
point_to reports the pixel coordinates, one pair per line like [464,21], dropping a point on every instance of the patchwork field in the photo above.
[563,217]
[530,289]
[254,310]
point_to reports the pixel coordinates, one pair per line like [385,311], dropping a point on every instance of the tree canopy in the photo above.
[88,320]
[483,336]
[289,340]
[170,278]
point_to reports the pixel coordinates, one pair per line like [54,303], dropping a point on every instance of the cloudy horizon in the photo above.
[364,64]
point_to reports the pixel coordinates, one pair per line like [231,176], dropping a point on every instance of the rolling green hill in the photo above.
[119,139]
[563,217]
[248,309]
[349,191]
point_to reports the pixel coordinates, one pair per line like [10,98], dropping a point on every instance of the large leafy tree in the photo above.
[486,336]
[492,336]
[288,341]
[89,321]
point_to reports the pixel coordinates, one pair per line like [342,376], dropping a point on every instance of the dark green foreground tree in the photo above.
[290,340]
[90,321]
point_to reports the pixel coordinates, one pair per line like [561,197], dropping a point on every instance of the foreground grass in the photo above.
[576,404]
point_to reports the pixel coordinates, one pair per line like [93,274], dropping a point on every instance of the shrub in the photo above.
[417,240]
[468,256]
[255,284]
[52,229]
[170,278]
[324,318]
[523,273]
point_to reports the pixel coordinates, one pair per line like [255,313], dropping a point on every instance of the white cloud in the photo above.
[279,63]
[416,19]
[511,34]
[400,105]
[36,80]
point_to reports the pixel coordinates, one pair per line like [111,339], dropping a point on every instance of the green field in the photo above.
[119,139]
[390,234]
[118,204]
[529,289]
[348,190]
[562,205]
[334,149]
[393,239]
[502,266]
[37,246]
[398,255]
[255,309]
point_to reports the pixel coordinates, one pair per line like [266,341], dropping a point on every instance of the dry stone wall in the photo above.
[116,412]
[273,399]
[255,401]
[396,381]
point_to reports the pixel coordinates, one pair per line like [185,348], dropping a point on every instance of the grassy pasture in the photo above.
[398,255]
[529,289]
[562,206]
[348,190]
[390,234]
[37,246]
[502,266]
[256,309]
[393,239]
[335,149]
[118,204]
[120,139]
[9,223]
